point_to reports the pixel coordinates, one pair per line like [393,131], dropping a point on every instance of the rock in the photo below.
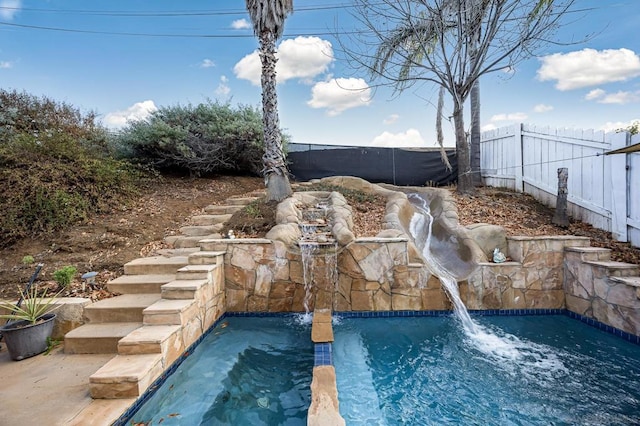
[488,237]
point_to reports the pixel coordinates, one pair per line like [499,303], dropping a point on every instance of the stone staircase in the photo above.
[209,225]
[600,288]
[167,302]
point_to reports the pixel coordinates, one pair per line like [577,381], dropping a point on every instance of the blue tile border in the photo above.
[496,312]
[604,327]
[323,354]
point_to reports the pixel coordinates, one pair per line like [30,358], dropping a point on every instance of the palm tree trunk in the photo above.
[474,96]
[275,169]
[465,184]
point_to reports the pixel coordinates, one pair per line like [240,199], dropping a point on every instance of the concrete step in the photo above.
[136,284]
[153,339]
[616,269]
[215,244]
[200,230]
[195,272]
[240,201]
[172,252]
[125,376]
[124,308]
[170,312]
[155,265]
[207,258]
[225,209]
[632,281]
[181,241]
[591,253]
[97,338]
[210,219]
[182,289]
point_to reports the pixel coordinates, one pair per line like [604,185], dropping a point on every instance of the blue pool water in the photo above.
[526,370]
[247,371]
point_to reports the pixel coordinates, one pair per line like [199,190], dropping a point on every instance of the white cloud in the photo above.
[612,126]
[594,94]
[207,63]
[298,58]
[589,67]
[409,139]
[540,108]
[223,88]
[138,111]
[6,65]
[514,116]
[620,97]
[9,8]
[391,119]
[340,94]
[240,24]
[488,127]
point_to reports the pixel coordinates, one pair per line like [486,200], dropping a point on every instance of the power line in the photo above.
[166,13]
[71,30]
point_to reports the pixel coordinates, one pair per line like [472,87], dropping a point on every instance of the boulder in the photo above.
[488,237]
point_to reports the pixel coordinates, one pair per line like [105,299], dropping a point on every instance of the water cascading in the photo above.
[501,347]
[419,222]
[318,251]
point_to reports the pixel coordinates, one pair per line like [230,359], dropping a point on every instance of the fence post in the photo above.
[518,163]
[619,186]
[560,217]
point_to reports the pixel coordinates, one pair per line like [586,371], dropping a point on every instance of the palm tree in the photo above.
[268,18]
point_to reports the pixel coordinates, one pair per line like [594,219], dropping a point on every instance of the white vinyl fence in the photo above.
[603,190]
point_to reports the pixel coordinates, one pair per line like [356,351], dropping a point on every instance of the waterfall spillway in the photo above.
[318,252]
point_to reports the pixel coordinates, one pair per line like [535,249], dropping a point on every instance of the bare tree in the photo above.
[453,43]
[268,18]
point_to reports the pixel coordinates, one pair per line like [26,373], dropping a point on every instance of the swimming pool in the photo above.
[535,370]
[247,371]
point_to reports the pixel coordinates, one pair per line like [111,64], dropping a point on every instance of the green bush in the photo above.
[204,139]
[55,167]
[64,276]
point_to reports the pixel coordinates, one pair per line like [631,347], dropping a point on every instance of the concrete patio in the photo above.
[52,390]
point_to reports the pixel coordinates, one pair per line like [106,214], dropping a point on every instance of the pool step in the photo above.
[124,308]
[170,312]
[182,289]
[153,339]
[615,269]
[591,253]
[195,272]
[126,376]
[136,284]
[207,258]
[98,338]
[240,201]
[155,265]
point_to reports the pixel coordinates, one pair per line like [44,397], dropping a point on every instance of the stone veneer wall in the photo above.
[533,280]
[374,274]
[606,291]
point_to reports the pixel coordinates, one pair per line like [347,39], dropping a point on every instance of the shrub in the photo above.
[204,139]
[55,167]
[64,276]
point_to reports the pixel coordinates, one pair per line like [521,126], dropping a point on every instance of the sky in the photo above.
[125,58]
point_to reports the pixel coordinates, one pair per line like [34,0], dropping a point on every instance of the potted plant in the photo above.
[30,323]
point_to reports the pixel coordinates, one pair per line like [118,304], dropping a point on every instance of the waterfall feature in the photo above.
[318,251]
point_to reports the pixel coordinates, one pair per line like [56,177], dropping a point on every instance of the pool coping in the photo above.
[323,352]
